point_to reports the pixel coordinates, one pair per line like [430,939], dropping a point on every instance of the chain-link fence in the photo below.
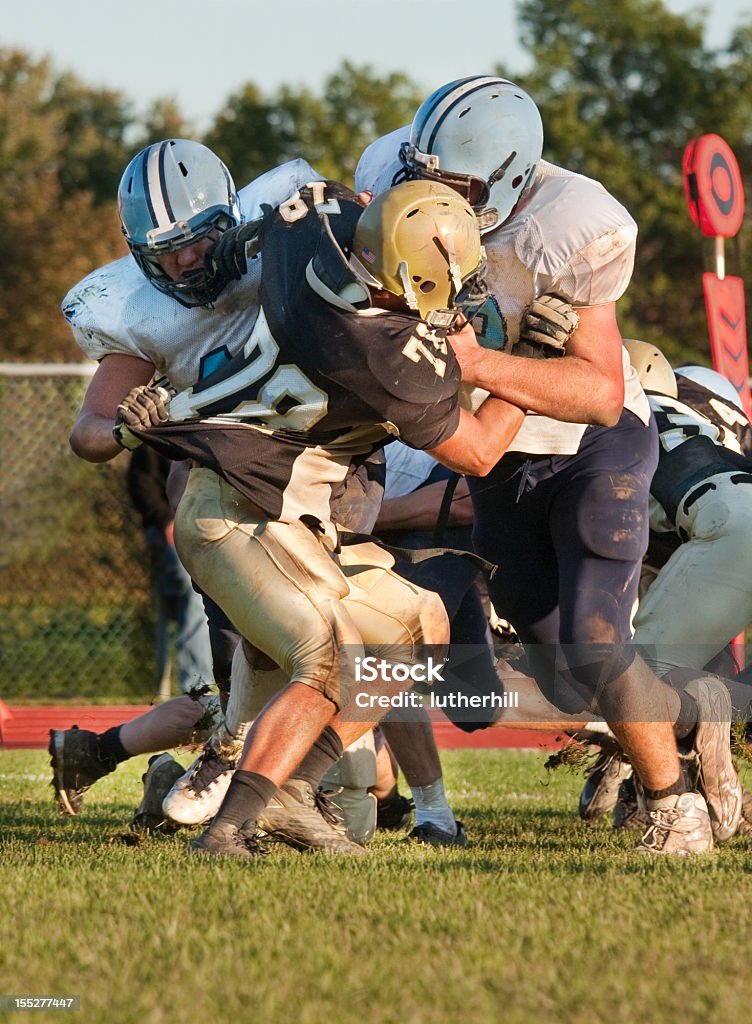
[76,612]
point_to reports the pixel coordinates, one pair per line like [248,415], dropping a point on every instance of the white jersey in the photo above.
[406,469]
[568,236]
[115,309]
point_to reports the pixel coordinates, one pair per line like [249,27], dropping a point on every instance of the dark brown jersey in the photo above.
[320,382]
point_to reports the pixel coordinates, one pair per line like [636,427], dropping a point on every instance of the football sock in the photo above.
[687,719]
[655,797]
[431,805]
[110,749]
[324,753]
[247,796]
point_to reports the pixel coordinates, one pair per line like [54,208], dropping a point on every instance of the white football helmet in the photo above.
[483,136]
[171,194]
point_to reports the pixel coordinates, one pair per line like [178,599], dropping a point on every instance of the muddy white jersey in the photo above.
[569,236]
[115,309]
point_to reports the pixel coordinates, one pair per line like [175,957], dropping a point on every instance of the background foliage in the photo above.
[622,88]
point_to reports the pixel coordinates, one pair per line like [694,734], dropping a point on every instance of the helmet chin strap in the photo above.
[451,255]
[407,286]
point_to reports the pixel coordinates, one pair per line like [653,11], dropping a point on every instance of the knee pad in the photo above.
[619,530]
[349,781]
[250,690]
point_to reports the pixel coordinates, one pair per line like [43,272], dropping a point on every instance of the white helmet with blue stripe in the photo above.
[483,136]
[172,194]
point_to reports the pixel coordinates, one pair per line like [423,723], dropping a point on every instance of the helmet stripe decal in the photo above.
[145,185]
[163,183]
[447,103]
[154,187]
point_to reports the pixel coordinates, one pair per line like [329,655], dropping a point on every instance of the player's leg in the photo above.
[80,757]
[393,810]
[411,739]
[599,529]
[266,574]
[701,597]
[300,591]
[193,643]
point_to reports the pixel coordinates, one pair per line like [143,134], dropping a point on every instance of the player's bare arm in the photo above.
[480,440]
[420,509]
[584,386]
[91,437]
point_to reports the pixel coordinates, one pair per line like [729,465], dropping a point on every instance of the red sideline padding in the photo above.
[29,728]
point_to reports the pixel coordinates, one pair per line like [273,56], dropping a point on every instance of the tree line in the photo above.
[621,87]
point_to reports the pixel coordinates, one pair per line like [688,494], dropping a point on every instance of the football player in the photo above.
[573,489]
[695,594]
[701,507]
[150,313]
[348,350]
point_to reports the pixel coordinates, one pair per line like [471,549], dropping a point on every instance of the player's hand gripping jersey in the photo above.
[317,384]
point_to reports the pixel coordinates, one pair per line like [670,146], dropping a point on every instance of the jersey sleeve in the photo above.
[93,309]
[273,187]
[406,374]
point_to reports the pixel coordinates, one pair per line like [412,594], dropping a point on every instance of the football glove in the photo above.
[547,325]
[227,259]
[143,407]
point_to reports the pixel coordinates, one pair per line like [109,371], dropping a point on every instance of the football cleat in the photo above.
[712,769]
[162,773]
[198,794]
[395,812]
[601,790]
[429,834]
[222,839]
[629,810]
[678,829]
[76,766]
[302,817]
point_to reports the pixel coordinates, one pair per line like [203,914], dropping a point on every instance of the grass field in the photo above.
[540,919]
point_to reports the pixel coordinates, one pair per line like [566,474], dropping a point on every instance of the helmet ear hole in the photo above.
[427,287]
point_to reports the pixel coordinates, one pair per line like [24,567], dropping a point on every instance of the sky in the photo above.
[200,51]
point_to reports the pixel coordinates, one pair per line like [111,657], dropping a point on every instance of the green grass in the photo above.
[540,919]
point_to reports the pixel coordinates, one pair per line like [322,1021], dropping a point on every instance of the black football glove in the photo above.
[142,407]
[547,324]
[227,259]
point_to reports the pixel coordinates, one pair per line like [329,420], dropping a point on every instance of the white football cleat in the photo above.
[198,794]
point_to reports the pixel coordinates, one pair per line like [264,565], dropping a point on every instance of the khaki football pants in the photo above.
[309,610]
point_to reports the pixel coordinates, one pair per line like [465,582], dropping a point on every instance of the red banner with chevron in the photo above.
[724,301]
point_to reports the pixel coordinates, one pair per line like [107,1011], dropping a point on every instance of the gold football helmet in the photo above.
[653,369]
[421,240]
